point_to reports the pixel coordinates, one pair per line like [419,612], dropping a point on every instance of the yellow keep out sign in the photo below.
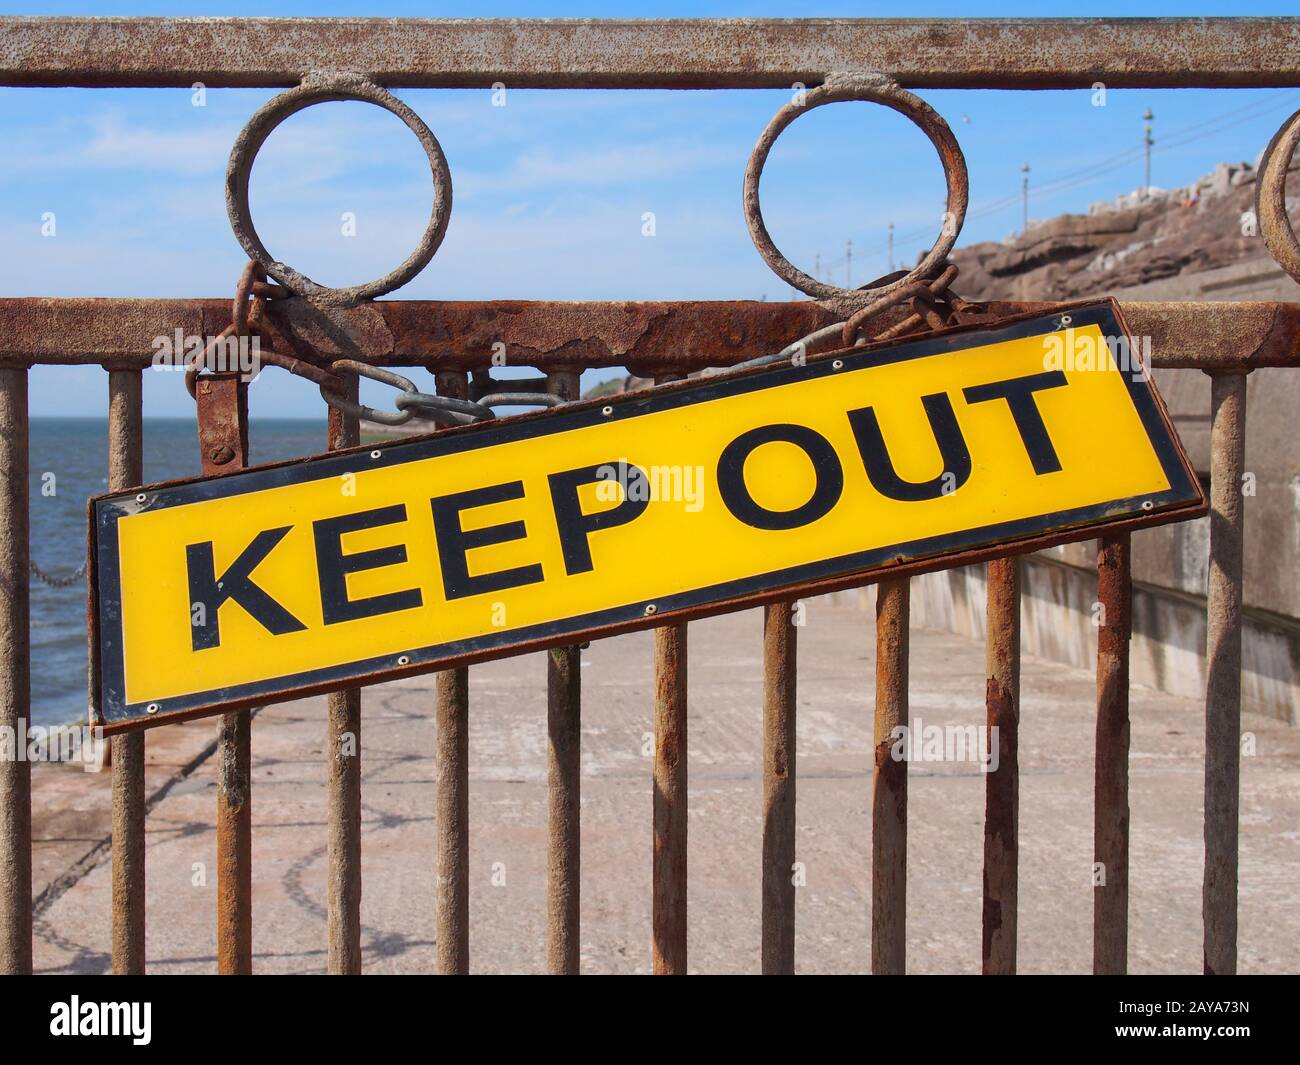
[697,498]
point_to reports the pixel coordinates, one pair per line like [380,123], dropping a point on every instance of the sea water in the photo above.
[68,464]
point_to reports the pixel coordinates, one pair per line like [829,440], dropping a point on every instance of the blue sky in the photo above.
[551,189]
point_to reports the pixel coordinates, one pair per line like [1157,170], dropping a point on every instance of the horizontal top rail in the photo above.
[649,338]
[651,53]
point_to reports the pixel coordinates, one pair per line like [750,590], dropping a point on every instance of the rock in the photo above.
[1129,241]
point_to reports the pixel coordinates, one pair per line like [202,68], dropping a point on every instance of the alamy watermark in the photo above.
[1074,351]
[621,480]
[74,1017]
[946,743]
[225,354]
[53,743]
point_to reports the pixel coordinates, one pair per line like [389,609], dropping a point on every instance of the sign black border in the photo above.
[1182,499]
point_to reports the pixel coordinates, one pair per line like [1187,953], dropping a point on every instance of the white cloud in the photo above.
[107,141]
[616,165]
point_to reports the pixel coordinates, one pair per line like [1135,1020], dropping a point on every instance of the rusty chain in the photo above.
[933,305]
[926,287]
[932,302]
[410,401]
[56,582]
[251,315]
[255,320]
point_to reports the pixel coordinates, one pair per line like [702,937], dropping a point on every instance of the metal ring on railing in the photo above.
[874,89]
[321,89]
[1270,197]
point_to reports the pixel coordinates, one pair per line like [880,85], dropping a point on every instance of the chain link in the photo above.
[443,410]
[56,582]
[250,316]
[931,301]
[410,401]
[933,304]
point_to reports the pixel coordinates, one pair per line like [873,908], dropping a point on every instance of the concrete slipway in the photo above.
[507,811]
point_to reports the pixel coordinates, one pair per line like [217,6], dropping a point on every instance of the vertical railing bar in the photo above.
[1002,787]
[451,817]
[451,799]
[15,677]
[563,898]
[126,470]
[668,872]
[889,784]
[223,441]
[671,801]
[234,845]
[780,646]
[1223,672]
[564,772]
[1110,804]
[344,778]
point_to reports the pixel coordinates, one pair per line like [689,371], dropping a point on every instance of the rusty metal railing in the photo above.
[663,341]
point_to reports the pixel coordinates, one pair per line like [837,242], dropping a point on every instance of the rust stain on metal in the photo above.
[889,785]
[1223,673]
[451,796]
[649,338]
[451,821]
[563,796]
[223,424]
[1002,786]
[564,779]
[670,803]
[669,807]
[15,679]
[780,640]
[663,53]
[343,778]
[234,846]
[125,470]
[359,332]
[1111,805]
